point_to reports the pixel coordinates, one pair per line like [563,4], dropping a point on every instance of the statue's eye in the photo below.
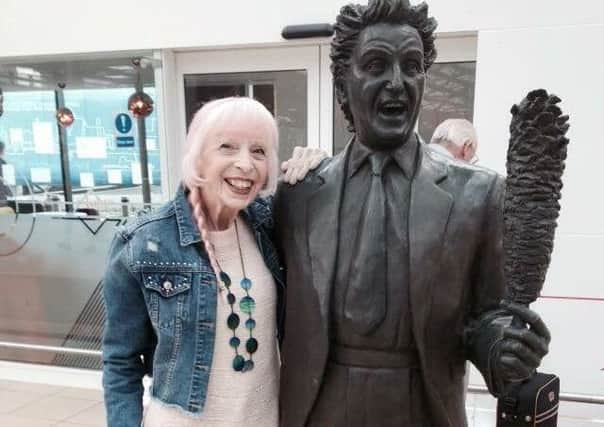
[375,66]
[413,67]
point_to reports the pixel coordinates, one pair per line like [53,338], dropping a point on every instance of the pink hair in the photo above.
[210,121]
[195,201]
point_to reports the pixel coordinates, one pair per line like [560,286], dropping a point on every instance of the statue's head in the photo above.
[380,54]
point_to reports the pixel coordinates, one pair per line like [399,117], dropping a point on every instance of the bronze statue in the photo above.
[393,254]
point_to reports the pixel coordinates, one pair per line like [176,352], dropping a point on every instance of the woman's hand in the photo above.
[303,160]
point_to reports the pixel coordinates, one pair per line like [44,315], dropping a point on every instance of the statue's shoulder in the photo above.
[463,180]
[315,176]
[300,188]
[458,168]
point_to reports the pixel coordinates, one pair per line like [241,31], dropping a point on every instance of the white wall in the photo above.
[41,27]
[561,59]
[522,45]
[564,60]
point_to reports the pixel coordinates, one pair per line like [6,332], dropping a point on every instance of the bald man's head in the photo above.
[458,136]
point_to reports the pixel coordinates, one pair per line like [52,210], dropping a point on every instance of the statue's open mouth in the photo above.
[392,108]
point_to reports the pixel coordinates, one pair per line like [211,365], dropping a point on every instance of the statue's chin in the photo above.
[387,141]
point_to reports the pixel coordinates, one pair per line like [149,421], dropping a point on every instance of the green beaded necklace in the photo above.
[247,306]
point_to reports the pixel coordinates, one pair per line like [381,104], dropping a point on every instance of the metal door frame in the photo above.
[237,60]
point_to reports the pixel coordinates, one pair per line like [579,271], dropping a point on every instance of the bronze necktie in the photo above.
[365,301]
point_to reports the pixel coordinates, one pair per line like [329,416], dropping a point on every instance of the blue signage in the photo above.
[124,141]
[99,108]
[123,123]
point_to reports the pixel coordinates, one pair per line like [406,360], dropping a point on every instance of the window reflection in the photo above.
[28,130]
[449,94]
[96,162]
[103,157]
[96,159]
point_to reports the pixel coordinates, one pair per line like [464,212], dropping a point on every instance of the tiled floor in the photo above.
[39,405]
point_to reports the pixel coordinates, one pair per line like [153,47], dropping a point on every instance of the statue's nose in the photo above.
[396,79]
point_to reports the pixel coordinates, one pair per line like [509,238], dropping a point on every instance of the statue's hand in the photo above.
[518,354]
[303,159]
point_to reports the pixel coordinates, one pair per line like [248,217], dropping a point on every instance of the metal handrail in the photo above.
[564,397]
[51,349]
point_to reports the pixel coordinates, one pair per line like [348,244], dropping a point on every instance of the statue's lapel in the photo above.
[428,218]
[323,227]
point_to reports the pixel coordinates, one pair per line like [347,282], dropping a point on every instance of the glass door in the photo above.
[285,80]
[283,93]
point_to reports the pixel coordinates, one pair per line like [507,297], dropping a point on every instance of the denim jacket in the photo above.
[160,296]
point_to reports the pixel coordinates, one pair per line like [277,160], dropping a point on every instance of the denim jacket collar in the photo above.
[256,215]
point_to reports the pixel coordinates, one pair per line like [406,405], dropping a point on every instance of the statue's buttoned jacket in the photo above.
[455,276]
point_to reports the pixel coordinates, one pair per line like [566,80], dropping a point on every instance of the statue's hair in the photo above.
[354,18]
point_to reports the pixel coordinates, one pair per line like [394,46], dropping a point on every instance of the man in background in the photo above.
[456,138]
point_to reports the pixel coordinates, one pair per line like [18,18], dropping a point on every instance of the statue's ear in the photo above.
[341,93]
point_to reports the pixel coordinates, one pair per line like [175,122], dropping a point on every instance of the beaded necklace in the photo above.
[247,306]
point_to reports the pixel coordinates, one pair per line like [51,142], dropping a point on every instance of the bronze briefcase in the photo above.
[531,403]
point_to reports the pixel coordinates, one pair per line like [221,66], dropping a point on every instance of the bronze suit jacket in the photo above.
[456,276]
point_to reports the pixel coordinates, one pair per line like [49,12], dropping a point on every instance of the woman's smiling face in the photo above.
[234,166]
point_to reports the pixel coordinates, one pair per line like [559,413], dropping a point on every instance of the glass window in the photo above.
[98,162]
[28,129]
[449,93]
[51,263]
[103,156]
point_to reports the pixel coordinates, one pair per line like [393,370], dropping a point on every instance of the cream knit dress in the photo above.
[235,398]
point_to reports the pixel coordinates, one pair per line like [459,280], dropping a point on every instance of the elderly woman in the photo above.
[194,291]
